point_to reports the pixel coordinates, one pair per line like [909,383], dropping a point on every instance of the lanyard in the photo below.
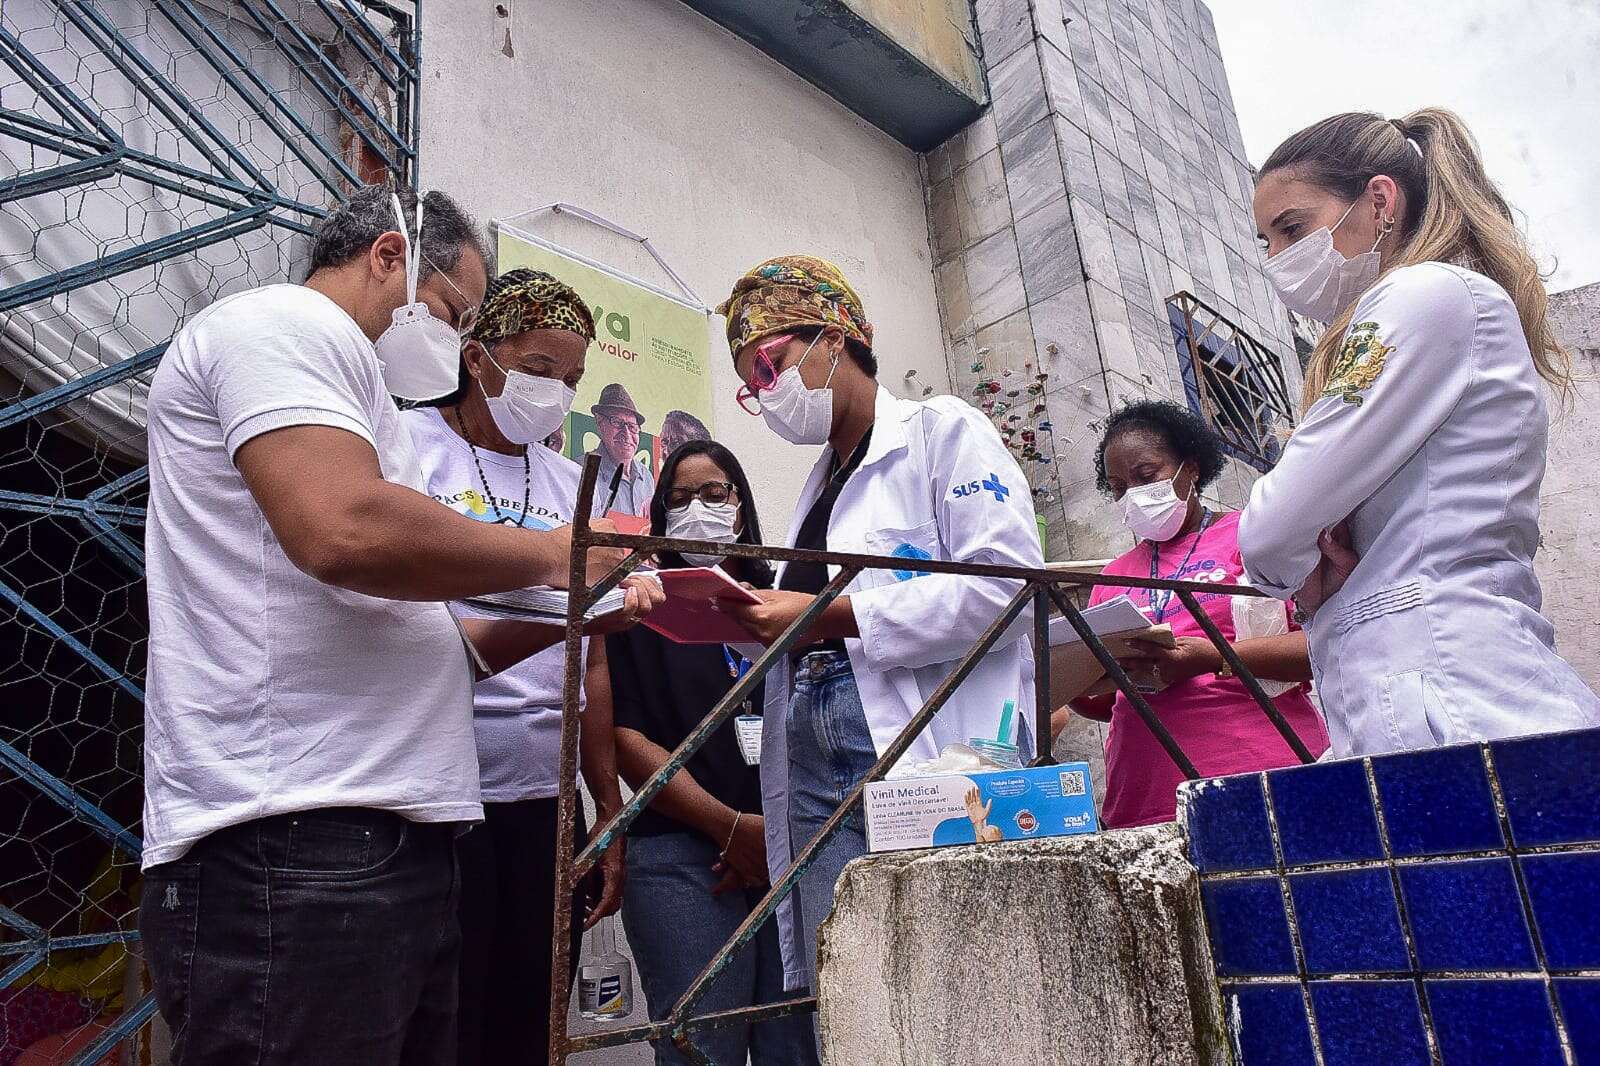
[1165,595]
[738,665]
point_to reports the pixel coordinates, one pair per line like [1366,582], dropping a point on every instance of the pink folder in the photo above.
[688,616]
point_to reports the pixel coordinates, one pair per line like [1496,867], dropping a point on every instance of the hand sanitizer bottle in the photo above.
[605,980]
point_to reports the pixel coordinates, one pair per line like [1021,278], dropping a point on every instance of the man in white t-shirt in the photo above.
[309,758]
[482,453]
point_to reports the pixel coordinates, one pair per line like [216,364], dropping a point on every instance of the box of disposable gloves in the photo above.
[979,806]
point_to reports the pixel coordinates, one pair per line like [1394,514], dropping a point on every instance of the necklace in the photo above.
[488,493]
[1155,567]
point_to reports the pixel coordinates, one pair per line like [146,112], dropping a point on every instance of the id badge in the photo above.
[747,727]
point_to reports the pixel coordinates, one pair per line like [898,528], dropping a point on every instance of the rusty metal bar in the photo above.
[1231,656]
[1120,677]
[592,595]
[602,837]
[651,545]
[1044,742]
[761,1012]
[567,791]
[1040,587]
[801,862]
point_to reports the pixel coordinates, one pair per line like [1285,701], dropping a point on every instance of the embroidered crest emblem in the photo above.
[1358,364]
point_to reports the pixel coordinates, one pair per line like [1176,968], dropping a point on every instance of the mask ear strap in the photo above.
[1193,485]
[413,257]
[1385,226]
[414,264]
[833,367]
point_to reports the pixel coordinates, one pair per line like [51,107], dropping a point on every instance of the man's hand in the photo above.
[1338,560]
[1192,657]
[746,857]
[603,560]
[777,611]
[613,871]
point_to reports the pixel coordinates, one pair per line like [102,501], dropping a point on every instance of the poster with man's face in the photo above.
[650,355]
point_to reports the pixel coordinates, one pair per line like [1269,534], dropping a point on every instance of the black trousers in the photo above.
[321,936]
[508,877]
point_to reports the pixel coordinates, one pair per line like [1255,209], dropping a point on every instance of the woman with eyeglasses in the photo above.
[915,480]
[697,855]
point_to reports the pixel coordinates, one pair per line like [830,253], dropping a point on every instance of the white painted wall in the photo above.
[647,113]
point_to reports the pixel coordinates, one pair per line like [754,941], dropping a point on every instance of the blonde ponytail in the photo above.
[1454,215]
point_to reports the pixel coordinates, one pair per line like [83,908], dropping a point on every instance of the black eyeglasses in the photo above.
[712,492]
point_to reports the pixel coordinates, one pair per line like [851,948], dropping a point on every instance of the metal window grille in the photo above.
[154,156]
[1232,381]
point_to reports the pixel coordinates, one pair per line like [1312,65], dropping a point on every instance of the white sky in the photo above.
[1524,74]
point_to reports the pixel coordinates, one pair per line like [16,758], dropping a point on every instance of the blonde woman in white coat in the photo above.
[1403,516]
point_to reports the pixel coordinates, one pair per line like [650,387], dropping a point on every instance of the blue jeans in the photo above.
[674,925]
[830,751]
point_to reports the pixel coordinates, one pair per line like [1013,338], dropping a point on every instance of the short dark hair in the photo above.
[1183,431]
[687,423]
[368,214]
[859,352]
[756,571]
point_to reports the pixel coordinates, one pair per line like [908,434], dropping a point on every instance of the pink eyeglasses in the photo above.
[763,375]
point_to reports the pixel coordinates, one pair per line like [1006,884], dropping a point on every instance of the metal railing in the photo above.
[1040,589]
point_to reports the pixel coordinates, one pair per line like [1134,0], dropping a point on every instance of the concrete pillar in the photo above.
[1108,174]
[1082,950]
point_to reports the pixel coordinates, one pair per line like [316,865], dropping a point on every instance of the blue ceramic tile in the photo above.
[1324,813]
[1562,889]
[1226,822]
[1249,930]
[1437,802]
[1366,1022]
[1348,922]
[1272,1027]
[1467,915]
[1580,1007]
[1552,791]
[1490,1023]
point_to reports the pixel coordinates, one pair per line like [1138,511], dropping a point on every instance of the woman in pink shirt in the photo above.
[1154,460]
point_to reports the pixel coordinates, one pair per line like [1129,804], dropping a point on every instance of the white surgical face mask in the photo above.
[704,521]
[420,355]
[1312,277]
[797,414]
[529,408]
[1154,512]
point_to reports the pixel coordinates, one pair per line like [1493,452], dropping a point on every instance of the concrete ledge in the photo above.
[875,74]
[1073,950]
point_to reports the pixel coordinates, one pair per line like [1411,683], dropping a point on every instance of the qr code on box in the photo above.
[1072,783]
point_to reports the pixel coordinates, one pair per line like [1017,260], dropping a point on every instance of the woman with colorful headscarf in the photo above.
[482,453]
[917,480]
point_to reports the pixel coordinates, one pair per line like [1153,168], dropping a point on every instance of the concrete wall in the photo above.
[647,113]
[1108,175]
[1569,504]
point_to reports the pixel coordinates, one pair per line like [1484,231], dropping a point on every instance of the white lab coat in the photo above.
[1433,445]
[920,487]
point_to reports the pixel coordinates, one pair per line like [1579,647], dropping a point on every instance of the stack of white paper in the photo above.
[542,604]
[1119,615]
